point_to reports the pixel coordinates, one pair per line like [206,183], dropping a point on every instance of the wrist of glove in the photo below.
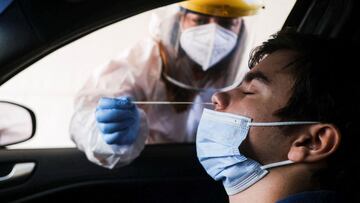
[118,120]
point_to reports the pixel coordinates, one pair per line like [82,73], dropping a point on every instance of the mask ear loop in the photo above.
[277,164]
[270,124]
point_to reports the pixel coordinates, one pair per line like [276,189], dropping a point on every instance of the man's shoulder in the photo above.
[318,196]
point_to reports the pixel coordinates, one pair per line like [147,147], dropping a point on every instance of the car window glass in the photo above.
[49,86]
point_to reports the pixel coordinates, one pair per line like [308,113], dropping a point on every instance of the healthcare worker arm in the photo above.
[134,74]
[85,133]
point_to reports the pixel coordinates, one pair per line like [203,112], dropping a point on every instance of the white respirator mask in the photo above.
[208,44]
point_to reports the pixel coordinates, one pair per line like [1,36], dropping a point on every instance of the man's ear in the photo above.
[315,143]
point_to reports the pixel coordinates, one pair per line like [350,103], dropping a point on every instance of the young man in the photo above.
[287,133]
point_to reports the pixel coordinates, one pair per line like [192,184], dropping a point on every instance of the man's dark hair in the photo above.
[326,89]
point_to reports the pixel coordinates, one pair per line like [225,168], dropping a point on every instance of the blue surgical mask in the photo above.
[218,139]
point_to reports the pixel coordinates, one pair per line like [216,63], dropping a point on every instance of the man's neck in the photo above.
[278,184]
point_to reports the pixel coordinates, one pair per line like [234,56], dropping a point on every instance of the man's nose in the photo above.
[220,100]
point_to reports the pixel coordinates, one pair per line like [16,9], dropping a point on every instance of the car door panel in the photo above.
[161,173]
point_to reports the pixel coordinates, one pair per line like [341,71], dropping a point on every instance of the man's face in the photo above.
[265,89]
[190,20]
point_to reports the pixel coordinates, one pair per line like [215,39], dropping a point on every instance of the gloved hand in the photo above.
[118,120]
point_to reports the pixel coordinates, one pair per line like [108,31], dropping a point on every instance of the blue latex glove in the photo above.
[118,120]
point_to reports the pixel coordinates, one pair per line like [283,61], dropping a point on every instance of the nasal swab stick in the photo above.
[168,102]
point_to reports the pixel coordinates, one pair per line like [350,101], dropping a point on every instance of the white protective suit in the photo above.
[136,73]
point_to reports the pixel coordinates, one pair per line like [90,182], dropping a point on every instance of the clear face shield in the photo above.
[201,52]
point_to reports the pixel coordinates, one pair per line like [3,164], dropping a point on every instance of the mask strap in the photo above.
[182,85]
[188,87]
[266,124]
[277,164]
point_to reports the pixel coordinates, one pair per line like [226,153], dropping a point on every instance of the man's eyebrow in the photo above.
[257,75]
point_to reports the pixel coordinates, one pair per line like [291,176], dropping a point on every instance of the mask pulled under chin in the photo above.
[218,138]
[207,44]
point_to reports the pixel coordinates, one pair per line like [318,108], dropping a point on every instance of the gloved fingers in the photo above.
[115,103]
[114,115]
[116,137]
[111,138]
[114,127]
